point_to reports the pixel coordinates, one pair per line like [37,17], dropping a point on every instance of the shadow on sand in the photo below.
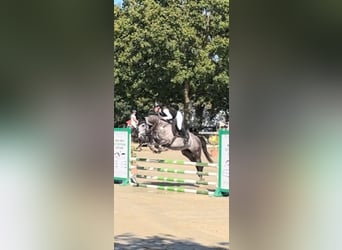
[163,242]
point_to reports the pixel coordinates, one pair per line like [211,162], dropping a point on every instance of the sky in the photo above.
[118,2]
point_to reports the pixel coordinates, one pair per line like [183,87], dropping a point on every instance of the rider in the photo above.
[170,114]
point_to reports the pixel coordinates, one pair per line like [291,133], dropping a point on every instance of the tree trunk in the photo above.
[199,114]
[186,104]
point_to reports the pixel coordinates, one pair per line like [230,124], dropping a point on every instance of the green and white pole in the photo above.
[177,180]
[177,162]
[176,189]
[174,171]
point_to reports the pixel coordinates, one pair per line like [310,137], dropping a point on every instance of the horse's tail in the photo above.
[204,148]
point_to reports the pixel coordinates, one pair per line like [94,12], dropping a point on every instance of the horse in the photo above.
[161,133]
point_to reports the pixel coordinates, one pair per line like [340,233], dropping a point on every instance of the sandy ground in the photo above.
[147,218]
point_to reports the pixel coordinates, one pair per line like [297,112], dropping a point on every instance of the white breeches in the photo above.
[179,119]
[168,116]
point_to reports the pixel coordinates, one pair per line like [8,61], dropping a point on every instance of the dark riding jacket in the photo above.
[173,112]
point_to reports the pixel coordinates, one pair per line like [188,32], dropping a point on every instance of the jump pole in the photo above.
[176,162]
[175,189]
[175,171]
[177,180]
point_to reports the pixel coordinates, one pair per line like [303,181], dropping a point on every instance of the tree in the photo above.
[170,51]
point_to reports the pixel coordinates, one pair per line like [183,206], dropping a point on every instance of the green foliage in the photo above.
[162,46]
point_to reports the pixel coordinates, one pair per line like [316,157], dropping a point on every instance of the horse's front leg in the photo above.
[153,148]
[139,147]
[163,148]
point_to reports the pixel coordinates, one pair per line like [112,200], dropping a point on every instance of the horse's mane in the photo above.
[152,118]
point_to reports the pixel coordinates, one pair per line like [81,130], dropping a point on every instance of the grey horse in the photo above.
[161,134]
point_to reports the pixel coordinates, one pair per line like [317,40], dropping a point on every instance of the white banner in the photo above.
[121,154]
[225,161]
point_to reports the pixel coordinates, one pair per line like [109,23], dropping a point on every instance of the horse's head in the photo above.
[134,134]
[142,131]
[144,127]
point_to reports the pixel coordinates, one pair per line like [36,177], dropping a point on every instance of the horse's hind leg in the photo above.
[194,158]
[200,169]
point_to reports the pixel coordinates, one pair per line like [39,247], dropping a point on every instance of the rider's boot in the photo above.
[185,135]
